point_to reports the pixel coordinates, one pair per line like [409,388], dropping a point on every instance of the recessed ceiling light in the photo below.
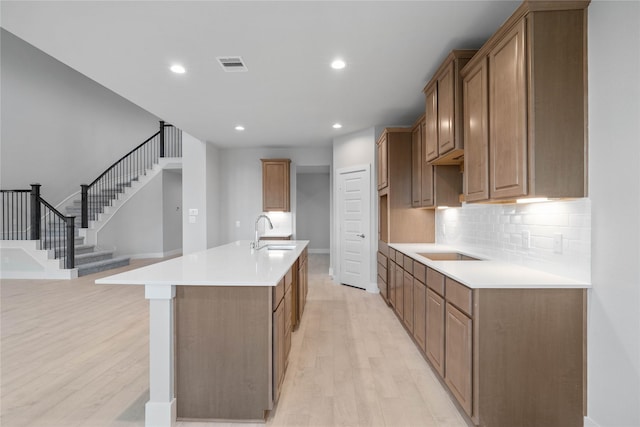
[178,69]
[239,128]
[337,125]
[338,64]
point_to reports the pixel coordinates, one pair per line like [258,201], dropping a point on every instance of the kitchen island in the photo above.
[219,329]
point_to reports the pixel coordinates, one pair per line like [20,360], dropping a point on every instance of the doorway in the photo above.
[354,217]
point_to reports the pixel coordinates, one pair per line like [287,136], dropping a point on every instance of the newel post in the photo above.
[161,138]
[35,211]
[84,210]
[71,248]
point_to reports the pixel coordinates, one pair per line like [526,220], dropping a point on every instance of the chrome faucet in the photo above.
[256,243]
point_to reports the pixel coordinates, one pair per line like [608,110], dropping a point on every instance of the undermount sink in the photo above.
[448,256]
[280,247]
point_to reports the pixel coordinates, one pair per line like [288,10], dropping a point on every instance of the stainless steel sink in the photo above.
[448,256]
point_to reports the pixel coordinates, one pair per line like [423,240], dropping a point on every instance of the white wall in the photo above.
[313,210]
[55,119]
[136,229]
[354,149]
[214,184]
[614,175]
[172,211]
[241,192]
[194,194]
[496,232]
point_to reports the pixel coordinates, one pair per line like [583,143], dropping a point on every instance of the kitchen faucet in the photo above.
[256,243]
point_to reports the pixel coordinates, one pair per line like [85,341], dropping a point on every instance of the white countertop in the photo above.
[485,273]
[234,264]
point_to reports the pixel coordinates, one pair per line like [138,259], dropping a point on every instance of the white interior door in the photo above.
[354,223]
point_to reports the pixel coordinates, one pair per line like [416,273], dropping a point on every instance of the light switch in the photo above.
[193,212]
[237,224]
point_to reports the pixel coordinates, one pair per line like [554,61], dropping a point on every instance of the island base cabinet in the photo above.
[223,341]
[435,331]
[279,349]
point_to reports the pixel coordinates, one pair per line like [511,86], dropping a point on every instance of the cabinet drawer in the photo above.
[399,258]
[392,254]
[419,271]
[278,293]
[382,272]
[408,265]
[383,248]
[382,259]
[460,296]
[435,281]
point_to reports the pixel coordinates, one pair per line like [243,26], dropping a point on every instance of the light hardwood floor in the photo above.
[76,354]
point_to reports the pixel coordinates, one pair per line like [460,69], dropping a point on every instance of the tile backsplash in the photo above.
[500,232]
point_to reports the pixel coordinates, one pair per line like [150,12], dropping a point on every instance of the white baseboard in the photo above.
[588,422]
[372,288]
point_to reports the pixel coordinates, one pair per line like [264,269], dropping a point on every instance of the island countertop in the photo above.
[233,264]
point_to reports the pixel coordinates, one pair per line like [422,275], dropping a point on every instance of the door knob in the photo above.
[360,235]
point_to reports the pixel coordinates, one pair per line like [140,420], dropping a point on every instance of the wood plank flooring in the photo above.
[76,354]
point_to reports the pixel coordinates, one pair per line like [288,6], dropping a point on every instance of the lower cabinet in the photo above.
[279,355]
[435,331]
[508,356]
[419,313]
[302,288]
[458,355]
[407,285]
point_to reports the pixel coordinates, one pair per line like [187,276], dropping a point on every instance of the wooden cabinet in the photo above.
[383,266]
[407,290]
[419,313]
[275,184]
[302,288]
[431,186]
[383,161]
[534,106]
[398,221]
[458,355]
[398,295]
[279,357]
[443,95]
[435,330]
[476,132]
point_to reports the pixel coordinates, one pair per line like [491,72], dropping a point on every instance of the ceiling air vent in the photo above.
[232,64]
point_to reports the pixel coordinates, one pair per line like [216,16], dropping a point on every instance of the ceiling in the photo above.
[290,96]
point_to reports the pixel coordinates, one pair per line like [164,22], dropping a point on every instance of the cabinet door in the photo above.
[446,95]
[407,315]
[383,165]
[399,291]
[416,166]
[391,292]
[435,330]
[426,189]
[431,122]
[476,133]
[275,184]
[278,350]
[458,355]
[288,305]
[508,116]
[419,312]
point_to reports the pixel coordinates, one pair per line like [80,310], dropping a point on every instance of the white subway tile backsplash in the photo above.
[495,231]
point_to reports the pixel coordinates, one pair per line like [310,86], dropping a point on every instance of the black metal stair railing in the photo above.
[27,216]
[167,142]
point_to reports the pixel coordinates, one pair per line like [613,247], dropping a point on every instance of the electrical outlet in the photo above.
[557,243]
[526,239]
[237,224]
[192,219]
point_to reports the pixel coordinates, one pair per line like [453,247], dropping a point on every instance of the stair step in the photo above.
[95,267]
[93,257]
[83,249]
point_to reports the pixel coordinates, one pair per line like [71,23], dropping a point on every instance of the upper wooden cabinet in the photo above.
[398,222]
[525,106]
[431,186]
[275,184]
[443,95]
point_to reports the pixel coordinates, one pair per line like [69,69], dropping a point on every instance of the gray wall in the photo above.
[55,120]
[313,210]
[172,210]
[241,189]
[613,356]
